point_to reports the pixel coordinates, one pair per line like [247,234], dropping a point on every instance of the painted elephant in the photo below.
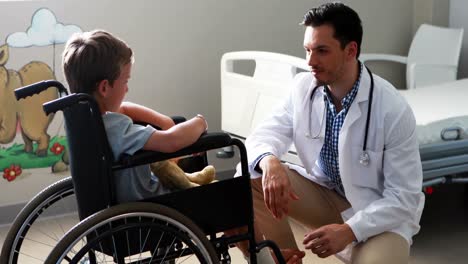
[27,112]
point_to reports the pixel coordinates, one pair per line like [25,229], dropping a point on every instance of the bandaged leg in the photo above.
[171,175]
[204,176]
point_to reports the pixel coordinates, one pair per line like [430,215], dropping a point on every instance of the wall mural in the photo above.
[25,118]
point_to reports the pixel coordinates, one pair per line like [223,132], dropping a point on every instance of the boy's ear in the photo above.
[103,87]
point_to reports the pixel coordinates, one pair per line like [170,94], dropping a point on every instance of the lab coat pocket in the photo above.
[369,175]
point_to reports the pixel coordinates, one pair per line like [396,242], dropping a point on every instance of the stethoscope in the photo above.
[364,158]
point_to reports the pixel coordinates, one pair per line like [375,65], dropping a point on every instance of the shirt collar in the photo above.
[349,98]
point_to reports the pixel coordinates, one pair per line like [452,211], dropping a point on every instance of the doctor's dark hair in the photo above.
[90,57]
[342,18]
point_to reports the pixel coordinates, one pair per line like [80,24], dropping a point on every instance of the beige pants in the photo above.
[320,206]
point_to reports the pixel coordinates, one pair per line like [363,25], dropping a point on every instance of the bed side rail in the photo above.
[255,94]
[265,62]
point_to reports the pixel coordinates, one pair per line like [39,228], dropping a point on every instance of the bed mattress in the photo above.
[441,111]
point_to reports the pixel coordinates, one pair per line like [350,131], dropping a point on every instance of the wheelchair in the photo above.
[185,225]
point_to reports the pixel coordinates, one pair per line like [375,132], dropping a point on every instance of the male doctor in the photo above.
[355,135]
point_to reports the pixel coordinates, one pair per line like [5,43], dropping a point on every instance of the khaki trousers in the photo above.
[320,206]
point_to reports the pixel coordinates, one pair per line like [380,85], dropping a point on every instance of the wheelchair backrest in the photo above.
[90,155]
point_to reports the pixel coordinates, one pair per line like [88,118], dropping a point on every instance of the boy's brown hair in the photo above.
[90,57]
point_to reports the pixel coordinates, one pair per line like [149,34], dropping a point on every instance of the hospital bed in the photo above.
[249,92]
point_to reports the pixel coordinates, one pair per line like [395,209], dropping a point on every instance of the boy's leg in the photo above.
[205,176]
[171,175]
[384,248]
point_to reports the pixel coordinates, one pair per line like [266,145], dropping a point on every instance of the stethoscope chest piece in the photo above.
[364,159]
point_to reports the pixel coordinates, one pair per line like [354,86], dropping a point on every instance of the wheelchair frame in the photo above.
[92,169]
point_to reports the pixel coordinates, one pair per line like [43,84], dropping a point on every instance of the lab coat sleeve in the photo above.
[275,134]
[401,202]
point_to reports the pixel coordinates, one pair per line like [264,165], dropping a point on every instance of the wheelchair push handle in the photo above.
[67,101]
[38,87]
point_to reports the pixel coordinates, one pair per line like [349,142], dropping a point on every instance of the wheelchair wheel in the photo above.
[40,224]
[134,233]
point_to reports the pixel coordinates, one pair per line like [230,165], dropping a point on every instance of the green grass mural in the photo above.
[14,159]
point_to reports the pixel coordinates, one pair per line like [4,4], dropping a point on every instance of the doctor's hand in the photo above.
[329,239]
[276,186]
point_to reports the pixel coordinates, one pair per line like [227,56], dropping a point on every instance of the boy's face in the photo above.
[115,93]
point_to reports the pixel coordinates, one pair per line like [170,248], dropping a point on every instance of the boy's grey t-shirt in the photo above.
[126,138]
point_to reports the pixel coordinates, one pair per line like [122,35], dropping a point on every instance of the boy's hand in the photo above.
[204,120]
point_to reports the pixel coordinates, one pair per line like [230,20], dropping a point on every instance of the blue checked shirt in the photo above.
[328,160]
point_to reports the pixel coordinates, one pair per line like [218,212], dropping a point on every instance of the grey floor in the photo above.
[444,233]
[444,229]
[443,237]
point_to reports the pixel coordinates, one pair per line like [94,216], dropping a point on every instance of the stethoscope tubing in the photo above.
[369,109]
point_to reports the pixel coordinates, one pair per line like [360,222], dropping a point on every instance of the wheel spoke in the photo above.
[162,238]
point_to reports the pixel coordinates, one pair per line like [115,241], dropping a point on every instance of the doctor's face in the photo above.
[324,55]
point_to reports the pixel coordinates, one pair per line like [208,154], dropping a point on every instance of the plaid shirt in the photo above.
[328,160]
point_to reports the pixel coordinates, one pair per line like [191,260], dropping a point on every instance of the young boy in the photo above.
[100,64]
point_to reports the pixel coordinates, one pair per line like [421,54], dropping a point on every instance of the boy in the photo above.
[99,64]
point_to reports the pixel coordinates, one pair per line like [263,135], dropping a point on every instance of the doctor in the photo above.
[360,187]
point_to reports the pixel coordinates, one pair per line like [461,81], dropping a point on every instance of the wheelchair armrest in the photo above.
[178,119]
[205,142]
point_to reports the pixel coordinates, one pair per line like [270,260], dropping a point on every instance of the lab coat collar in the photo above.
[319,107]
[362,96]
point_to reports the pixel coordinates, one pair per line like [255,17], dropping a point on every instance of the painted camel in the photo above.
[27,112]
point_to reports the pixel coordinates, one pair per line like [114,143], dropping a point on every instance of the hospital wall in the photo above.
[459,19]
[178,46]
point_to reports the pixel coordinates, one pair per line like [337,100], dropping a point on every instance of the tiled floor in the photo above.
[42,237]
[48,231]
[443,237]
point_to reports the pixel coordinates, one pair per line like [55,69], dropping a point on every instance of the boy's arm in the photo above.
[178,136]
[173,137]
[139,113]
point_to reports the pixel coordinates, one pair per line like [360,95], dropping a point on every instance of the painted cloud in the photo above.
[44,31]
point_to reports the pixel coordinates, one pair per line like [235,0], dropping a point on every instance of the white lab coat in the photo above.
[384,196]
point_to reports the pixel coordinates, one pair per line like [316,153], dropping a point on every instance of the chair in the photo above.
[160,229]
[432,58]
